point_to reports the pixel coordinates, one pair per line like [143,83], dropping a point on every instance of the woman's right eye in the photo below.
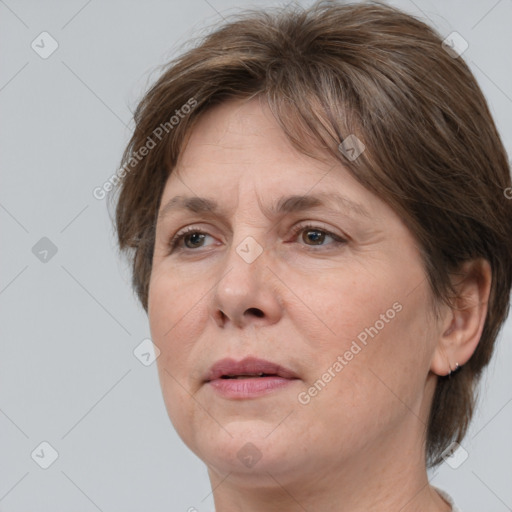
[192,238]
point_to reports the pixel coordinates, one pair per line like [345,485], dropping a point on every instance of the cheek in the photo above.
[379,327]
[342,305]
[173,297]
[175,322]
[176,314]
[379,383]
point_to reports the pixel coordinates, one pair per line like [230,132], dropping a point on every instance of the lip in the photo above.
[278,377]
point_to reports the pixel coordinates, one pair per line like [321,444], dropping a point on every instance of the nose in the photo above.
[248,292]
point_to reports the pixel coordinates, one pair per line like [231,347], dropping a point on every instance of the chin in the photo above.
[248,451]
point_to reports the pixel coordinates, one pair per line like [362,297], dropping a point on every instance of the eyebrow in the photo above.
[285,204]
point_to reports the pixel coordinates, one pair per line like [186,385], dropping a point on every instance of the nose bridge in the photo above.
[247,254]
[244,266]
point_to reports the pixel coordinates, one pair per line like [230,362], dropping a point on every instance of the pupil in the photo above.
[318,236]
[195,238]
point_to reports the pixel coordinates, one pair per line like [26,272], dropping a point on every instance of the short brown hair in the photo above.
[432,149]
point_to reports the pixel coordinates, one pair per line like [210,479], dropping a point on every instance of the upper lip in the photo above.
[247,366]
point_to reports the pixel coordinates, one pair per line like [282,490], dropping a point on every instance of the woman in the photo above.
[314,204]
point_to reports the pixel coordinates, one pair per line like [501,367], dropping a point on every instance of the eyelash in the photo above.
[295,231]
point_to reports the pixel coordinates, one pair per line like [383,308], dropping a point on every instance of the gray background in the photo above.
[68,375]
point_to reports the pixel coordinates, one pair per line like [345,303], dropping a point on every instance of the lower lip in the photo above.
[249,387]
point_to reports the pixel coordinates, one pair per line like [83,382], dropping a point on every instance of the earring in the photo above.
[455,369]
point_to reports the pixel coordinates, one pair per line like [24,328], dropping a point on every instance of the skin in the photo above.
[358,444]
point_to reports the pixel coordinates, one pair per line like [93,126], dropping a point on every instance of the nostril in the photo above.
[222,316]
[256,312]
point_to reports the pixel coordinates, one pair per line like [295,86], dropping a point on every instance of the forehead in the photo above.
[237,149]
[236,118]
[241,139]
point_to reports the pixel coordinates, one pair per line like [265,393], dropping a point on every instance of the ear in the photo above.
[463,320]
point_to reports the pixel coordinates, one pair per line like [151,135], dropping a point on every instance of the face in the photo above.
[328,285]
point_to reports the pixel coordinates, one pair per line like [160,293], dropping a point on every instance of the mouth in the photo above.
[248,368]
[250,378]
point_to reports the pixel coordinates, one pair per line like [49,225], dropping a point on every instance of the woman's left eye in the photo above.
[316,235]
